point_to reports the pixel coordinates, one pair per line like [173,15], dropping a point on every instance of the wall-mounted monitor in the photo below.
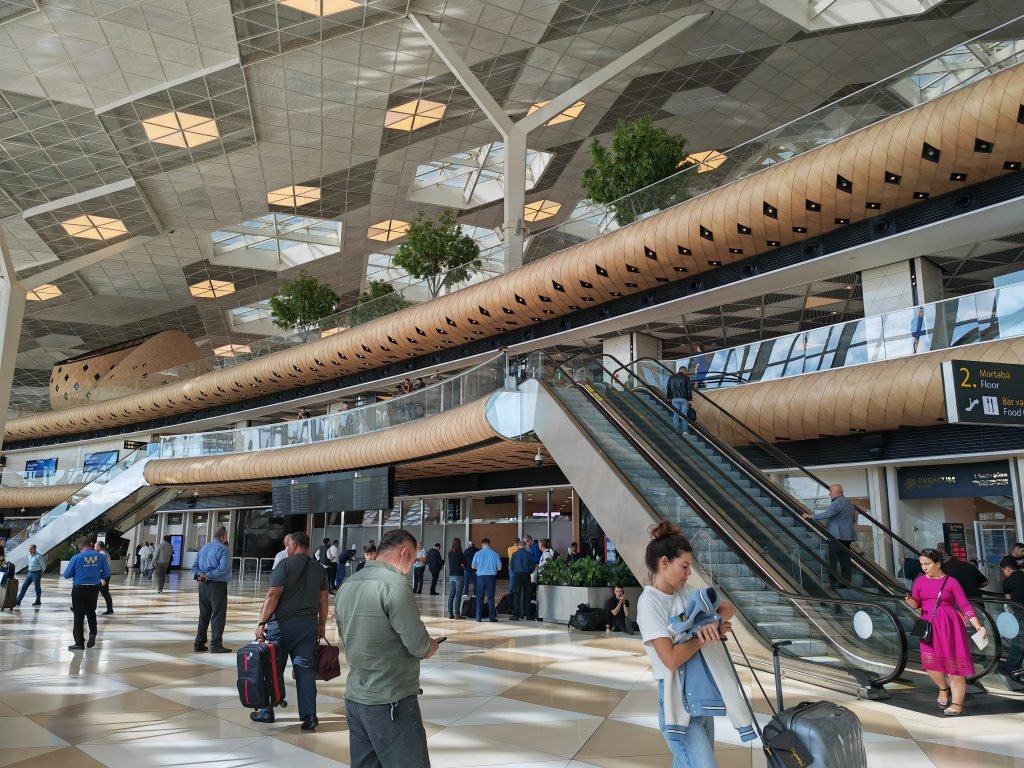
[99,462]
[36,468]
[358,491]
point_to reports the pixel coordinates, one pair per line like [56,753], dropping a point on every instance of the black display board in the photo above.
[983,393]
[357,491]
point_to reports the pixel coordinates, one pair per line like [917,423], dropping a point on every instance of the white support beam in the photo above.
[65,268]
[565,100]
[462,73]
[12,313]
[515,198]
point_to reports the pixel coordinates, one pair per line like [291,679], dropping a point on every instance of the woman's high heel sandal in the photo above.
[947,702]
[953,710]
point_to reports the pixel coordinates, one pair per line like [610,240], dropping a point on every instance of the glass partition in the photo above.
[467,387]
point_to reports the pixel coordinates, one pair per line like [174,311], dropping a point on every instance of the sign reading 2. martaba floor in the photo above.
[983,393]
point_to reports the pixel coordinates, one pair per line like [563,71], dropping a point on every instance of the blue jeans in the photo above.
[454,595]
[33,577]
[697,748]
[485,586]
[681,405]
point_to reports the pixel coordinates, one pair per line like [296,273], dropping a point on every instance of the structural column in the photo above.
[901,285]
[12,310]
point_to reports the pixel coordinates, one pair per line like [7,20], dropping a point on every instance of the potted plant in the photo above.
[302,303]
[438,251]
[640,155]
[65,554]
[379,299]
[563,586]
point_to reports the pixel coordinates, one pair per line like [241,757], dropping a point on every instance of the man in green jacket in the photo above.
[384,639]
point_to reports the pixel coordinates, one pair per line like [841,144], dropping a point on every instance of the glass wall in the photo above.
[198,532]
[964,509]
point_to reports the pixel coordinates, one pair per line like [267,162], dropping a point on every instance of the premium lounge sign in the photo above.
[983,393]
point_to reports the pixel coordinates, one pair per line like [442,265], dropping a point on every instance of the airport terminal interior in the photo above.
[226,313]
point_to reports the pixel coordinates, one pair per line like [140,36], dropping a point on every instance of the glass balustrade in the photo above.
[467,387]
[958,322]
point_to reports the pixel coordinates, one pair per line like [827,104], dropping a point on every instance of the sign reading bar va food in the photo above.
[983,393]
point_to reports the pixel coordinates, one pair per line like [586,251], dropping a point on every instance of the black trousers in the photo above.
[83,602]
[417,580]
[332,574]
[839,559]
[298,640]
[213,612]
[522,589]
[434,576]
[105,591]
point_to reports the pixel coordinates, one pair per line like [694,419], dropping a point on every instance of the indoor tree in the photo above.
[380,298]
[301,303]
[438,252]
[640,155]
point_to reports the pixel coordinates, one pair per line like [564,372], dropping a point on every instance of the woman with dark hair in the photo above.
[456,573]
[669,558]
[947,654]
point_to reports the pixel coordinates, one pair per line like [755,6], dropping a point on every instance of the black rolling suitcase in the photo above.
[260,678]
[9,585]
[813,733]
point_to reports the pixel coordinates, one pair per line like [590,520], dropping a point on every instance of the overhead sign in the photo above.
[955,481]
[134,445]
[983,393]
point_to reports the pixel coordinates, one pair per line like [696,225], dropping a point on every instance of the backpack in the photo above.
[589,619]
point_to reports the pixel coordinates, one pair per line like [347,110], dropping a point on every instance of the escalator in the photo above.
[749,540]
[120,496]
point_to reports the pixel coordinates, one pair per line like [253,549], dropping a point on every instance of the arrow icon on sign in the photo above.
[974,402]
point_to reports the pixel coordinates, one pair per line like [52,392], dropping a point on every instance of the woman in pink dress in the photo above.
[948,654]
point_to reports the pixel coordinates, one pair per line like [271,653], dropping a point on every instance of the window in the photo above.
[957,67]
[829,14]
[472,178]
[275,241]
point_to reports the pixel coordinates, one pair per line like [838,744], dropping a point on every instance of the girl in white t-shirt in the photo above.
[669,558]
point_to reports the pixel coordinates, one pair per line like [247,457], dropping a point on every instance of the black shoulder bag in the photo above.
[922,628]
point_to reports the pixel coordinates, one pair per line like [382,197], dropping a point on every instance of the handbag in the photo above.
[326,661]
[922,628]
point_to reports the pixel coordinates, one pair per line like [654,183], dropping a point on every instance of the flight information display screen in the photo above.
[360,490]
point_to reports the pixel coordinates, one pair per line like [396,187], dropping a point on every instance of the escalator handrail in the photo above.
[857,557]
[868,569]
[738,546]
[778,453]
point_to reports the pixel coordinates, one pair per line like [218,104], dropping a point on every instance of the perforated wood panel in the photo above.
[865,398]
[965,137]
[38,497]
[453,430]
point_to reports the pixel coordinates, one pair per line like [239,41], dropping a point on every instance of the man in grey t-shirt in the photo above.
[294,614]
[162,561]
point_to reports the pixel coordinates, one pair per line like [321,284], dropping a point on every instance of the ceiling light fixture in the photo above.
[211,289]
[321,7]
[414,115]
[571,113]
[94,227]
[705,161]
[294,196]
[180,129]
[230,350]
[389,230]
[44,292]
[541,209]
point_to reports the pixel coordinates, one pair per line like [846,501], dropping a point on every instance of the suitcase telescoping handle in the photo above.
[777,667]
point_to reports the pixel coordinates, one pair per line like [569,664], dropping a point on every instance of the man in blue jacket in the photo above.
[212,569]
[520,567]
[87,569]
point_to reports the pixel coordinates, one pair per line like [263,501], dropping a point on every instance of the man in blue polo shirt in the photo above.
[87,569]
[36,564]
[212,569]
[486,564]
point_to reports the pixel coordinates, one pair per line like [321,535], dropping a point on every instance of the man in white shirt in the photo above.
[332,565]
[284,552]
[146,560]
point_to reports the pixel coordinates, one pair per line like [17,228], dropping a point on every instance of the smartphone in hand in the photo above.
[441,639]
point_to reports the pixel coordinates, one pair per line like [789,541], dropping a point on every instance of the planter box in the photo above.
[557,604]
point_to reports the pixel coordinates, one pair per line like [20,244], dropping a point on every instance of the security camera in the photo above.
[539,458]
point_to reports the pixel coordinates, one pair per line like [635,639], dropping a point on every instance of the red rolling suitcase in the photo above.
[260,676]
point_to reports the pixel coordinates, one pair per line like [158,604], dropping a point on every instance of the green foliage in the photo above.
[640,155]
[302,302]
[585,572]
[438,252]
[378,300]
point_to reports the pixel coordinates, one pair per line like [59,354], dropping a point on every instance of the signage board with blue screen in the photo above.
[36,468]
[98,462]
[176,544]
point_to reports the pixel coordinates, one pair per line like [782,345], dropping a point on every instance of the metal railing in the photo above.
[459,390]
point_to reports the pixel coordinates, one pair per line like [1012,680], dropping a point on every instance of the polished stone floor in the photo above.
[510,694]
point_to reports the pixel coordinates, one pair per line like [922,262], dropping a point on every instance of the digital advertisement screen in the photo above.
[35,468]
[176,544]
[361,490]
[98,462]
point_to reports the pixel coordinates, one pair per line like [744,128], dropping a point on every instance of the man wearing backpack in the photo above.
[680,394]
